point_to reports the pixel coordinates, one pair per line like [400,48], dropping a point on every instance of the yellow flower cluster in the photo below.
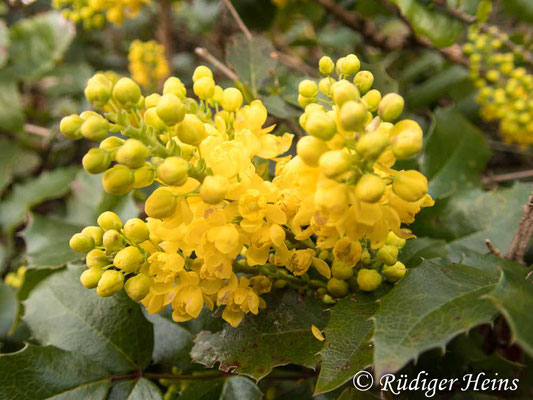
[220,230]
[94,13]
[504,90]
[147,63]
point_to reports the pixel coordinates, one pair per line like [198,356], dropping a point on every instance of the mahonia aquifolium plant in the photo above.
[94,13]
[504,89]
[220,231]
[147,63]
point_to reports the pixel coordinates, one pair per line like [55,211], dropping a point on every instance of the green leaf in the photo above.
[432,304]
[44,372]
[14,161]
[455,154]
[416,250]
[440,28]
[347,349]
[47,241]
[37,43]
[279,108]
[172,342]
[4,43]
[141,389]
[523,9]
[8,308]
[11,115]
[513,297]
[279,335]
[251,59]
[33,191]
[111,331]
[233,388]
[468,218]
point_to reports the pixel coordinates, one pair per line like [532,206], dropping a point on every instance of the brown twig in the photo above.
[202,52]
[237,19]
[493,249]
[37,130]
[523,233]
[511,176]
[164,28]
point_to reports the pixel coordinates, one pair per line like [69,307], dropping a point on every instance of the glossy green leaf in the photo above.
[279,335]
[38,43]
[47,241]
[140,389]
[233,388]
[15,161]
[440,28]
[347,348]
[251,59]
[111,331]
[33,191]
[455,154]
[432,304]
[37,373]
[11,114]
[419,249]
[8,308]
[513,297]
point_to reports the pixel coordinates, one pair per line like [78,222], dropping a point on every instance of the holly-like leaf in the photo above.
[347,349]
[111,331]
[279,335]
[432,304]
[37,43]
[513,297]
[36,373]
[440,28]
[172,342]
[251,59]
[11,115]
[15,161]
[455,154]
[47,241]
[416,250]
[233,388]
[140,389]
[33,191]
[8,308]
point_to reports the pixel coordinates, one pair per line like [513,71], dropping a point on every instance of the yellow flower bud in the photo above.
[341,270]
[160,204]
[95,128]
[368,279]
[144,176]
[365,257]
[132,154]
[204,88]
[410,185]
[372,144]
[308,88]
[191,130]
[152,119]
[352,115]
[111,144]
[109,220]
[95,232]
[387,254]
[90,277]
[364,81]
[201,72]
[305,101]
[136,230]
[214,189]
[391,107]
[81,243]
[310,148]
[337,287]
[320,125]
[343,91]
[96,161]
[348,65]
[174,86]
[128,259]
[394,240]
[324,85]
[127,93]
[372,99]
[98,90]
[261,284]
[96,258]
[137,287]
[170,109]
[70,127]
[110,283]
[231,99]
[118,180]
[394,272]
[370,188]
[335,162]
[173,171]
[407,139]
[112,240]
[326,65]
[152,100]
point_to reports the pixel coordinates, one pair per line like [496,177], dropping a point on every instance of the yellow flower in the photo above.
[188,300]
